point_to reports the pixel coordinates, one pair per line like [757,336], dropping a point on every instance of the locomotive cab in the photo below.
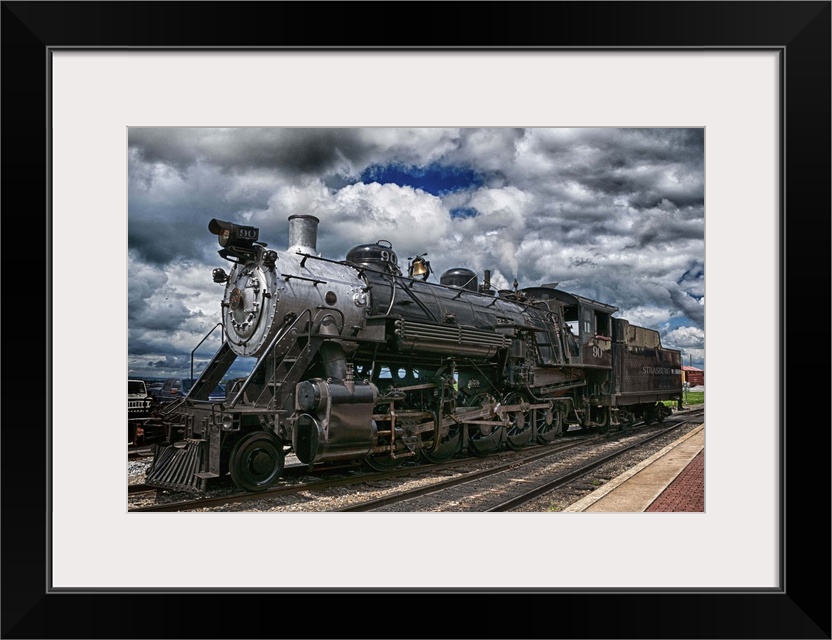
[587,325]
[593,321]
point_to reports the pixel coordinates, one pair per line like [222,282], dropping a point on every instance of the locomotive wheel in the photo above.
[549,425]
[519,430]
[602,419]
[256,461]
[626,419]
[449,445]
[383,462]
[483,439]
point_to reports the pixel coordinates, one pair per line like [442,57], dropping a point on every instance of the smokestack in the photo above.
[303,234]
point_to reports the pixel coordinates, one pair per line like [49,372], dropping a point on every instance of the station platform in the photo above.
[671,480]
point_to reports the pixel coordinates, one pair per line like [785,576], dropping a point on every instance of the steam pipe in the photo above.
[334,360]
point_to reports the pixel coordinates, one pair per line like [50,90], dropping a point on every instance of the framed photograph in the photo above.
[79,77]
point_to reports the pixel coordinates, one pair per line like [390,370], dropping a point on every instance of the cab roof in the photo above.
[548,292]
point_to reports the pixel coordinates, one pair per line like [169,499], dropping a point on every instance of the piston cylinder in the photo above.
[334,419]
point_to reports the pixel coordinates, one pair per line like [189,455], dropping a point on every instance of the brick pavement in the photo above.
[686,492]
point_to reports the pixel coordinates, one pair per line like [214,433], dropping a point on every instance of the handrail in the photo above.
[219,324]
[296,362]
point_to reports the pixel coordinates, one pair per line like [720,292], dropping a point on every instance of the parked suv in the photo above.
[175,388]
[139,405]
[139,401]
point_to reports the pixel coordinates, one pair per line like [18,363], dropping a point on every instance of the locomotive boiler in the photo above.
[355,359]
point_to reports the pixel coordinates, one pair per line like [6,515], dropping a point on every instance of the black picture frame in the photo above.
[799,31]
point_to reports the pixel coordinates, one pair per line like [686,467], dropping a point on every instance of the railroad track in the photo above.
[510,460]
[140,451]
[511,489]
[320,485]
[136,489]
[526,497]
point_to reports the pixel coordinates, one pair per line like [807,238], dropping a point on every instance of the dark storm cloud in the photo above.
[588,226]
[688,306]
[169,210]
[290,150]
[642,167]
[144,281]
[678,197]
[171,315]
[695,270]
[140,346]
[170,363]
[667,231]
[583,232]
[622,148]
[646,189]
[159,241]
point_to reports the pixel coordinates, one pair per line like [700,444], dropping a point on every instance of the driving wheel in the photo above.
[519,430]
[383,462]
[448,445]
[483,439]
[549,425]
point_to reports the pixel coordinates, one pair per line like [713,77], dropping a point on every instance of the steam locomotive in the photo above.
[356,360]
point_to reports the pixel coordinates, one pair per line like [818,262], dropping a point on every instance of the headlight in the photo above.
[232,235]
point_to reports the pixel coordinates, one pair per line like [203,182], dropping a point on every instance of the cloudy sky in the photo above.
[616,215]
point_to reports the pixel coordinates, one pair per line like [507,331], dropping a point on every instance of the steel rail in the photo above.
[212,501]
[478,475]
[566,478]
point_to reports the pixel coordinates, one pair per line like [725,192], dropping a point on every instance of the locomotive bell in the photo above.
[419,267]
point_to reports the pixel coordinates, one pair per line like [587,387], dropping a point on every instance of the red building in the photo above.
[693,376]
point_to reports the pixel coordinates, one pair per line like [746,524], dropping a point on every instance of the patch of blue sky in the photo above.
[435,179]
[463,212]
[678,321]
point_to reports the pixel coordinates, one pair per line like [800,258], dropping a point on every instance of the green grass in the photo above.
[688,398]
[694,397]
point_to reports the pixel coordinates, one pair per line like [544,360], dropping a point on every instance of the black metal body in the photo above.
[357,361]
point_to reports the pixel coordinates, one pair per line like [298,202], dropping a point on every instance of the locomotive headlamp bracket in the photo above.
[269,259]
[235,239]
